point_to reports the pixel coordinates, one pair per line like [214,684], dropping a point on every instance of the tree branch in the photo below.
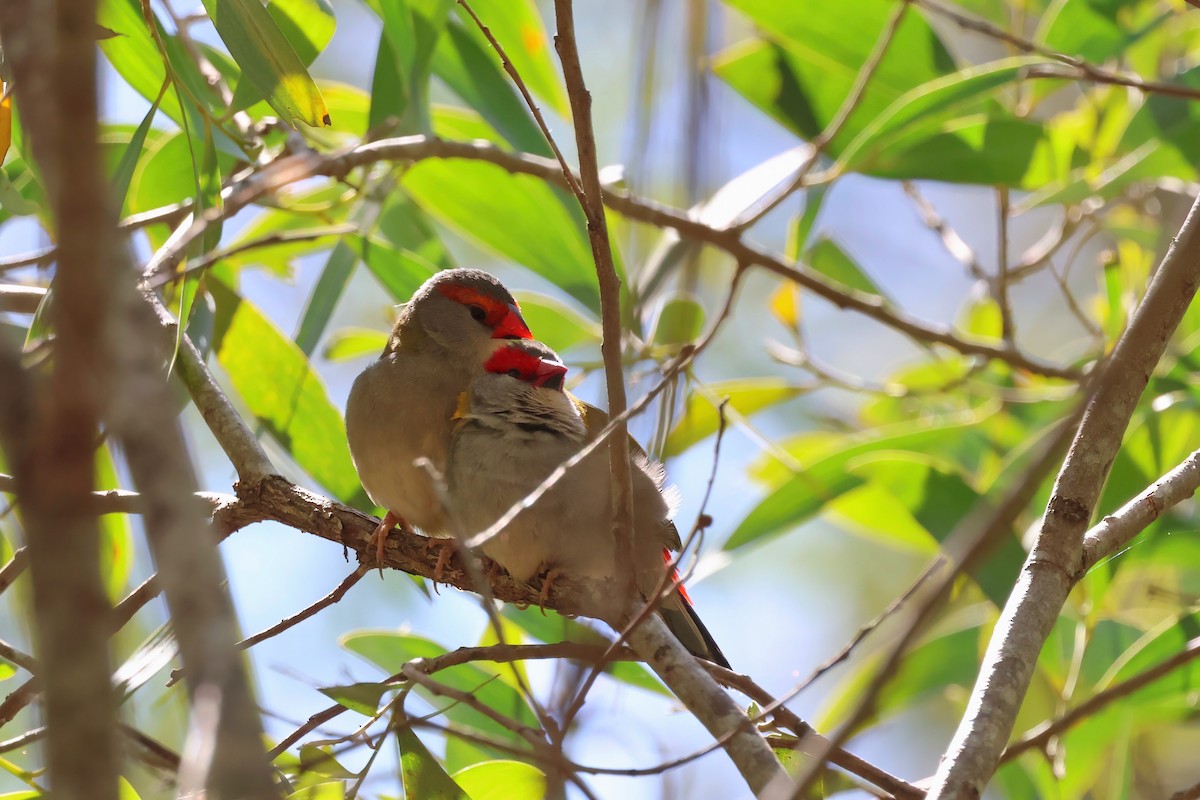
[1053,565]
[732,242]
[52,52]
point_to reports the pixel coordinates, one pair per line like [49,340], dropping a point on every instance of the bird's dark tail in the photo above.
[681,619]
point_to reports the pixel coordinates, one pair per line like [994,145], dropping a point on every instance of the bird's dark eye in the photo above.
[514,373]
[477,313]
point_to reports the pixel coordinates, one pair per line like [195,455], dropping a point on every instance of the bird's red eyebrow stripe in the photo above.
[494,309]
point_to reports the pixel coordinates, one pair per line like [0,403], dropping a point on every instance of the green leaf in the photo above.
[472,71]
[1094,30]
[560,325]
[339,268]
[163,176]
[284,394]
[827,258]
[680,321]
[391,651]
[422,775]
[400,271]
[825,476]
[411,30]
[810,57]
[950,660]
[116,532]
[912,487]
[268,60]
[747,396]
[407,249]
[939,99]
[7,670]
[361,697]
[552,627]
[332,790]
[517,26]
[307,25]
[502,780]
[996,150]
[124,172]
[517,216]
[318,760]
[347,344]
[133,53]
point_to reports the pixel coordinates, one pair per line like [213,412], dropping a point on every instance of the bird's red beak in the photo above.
[549,374]
[511,325]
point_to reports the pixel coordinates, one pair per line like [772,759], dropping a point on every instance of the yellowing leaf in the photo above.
[268,59]
[785,304]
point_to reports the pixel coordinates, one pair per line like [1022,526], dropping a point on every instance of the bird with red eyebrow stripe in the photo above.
[514,427]
[400,407]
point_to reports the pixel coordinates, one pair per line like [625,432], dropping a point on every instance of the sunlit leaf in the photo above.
[516,216]
[321,761]
[116,532]
[285,395]
[558,324]
[517,26]
[347,344]
[333,790]
[473,72]
[361,697]
[551,627]
[391,651]
[502,780]
[421,773]
[829,259]
[680,321]
[268,60]
[812,51]
[700,417]
[824,476]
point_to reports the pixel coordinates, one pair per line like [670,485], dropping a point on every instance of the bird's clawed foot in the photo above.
[547,582]
[380,534]
[447,551]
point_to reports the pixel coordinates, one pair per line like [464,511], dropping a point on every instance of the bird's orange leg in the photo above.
[380,534]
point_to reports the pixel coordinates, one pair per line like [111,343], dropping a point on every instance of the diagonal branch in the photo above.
[1053,565]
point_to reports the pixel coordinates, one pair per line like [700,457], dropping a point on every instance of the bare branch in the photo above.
[1052,567]
[18,299]
[415,148]
[1117,529]
[592,202]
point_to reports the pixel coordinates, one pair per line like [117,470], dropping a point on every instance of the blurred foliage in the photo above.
[899,459]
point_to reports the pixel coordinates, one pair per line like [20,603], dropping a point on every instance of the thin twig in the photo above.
[417,148]
[1082,69]
[572,182]
[1043,733]
[849,104]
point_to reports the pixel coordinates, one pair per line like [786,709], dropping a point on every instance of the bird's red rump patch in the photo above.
[503,318]
[675,577]
[524,366]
